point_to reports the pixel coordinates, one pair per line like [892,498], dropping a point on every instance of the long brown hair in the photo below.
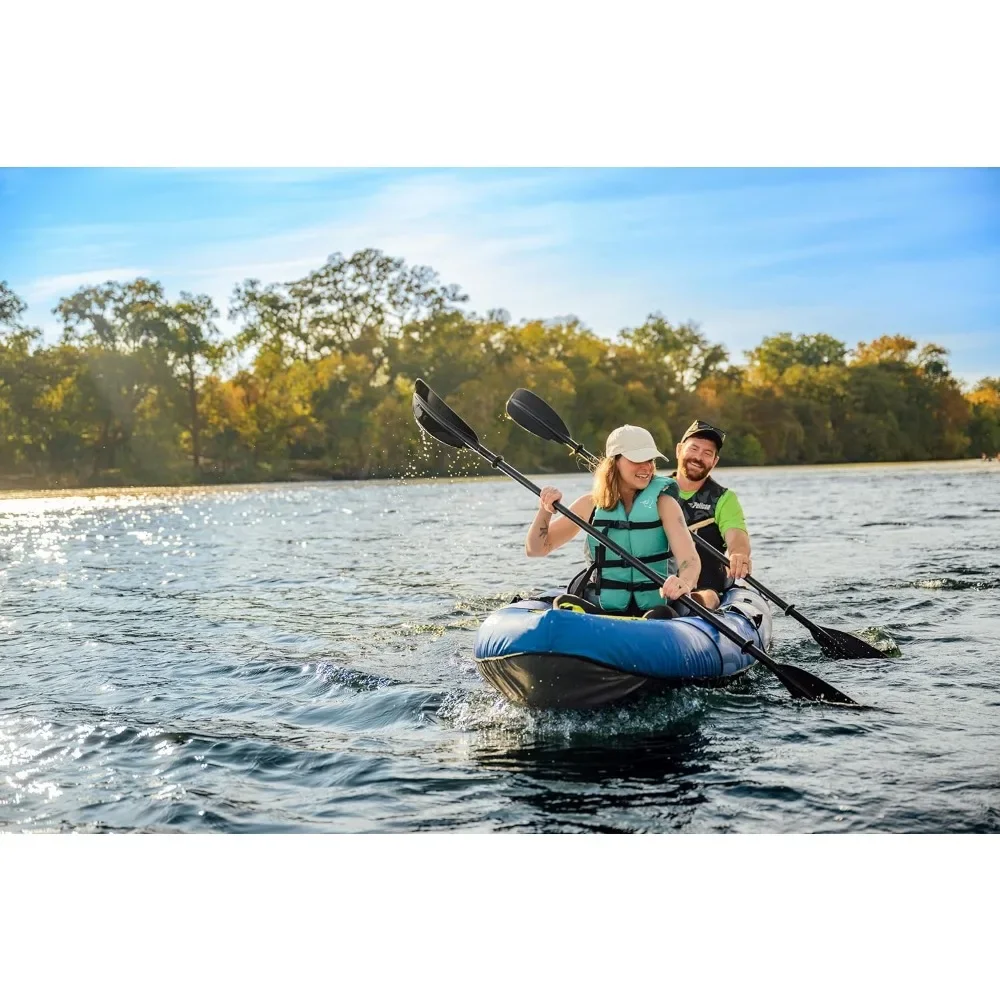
[606,491]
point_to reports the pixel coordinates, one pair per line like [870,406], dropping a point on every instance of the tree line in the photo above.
[317,379]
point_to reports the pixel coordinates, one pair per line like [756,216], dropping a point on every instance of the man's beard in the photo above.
[694,470]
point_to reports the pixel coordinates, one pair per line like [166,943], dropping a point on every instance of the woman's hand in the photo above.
[674,587]
[549,496]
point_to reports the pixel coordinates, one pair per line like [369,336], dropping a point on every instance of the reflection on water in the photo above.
[299,657]
[598,785]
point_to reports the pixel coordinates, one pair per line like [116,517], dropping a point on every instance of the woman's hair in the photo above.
[606,491]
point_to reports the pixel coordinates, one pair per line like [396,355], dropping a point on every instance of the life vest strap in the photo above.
[622,585]
[625,525]
[657,557]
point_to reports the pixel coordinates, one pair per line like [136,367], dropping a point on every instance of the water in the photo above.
[299,658]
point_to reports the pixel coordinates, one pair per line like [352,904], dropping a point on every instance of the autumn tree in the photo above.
[984,422]
[317,380]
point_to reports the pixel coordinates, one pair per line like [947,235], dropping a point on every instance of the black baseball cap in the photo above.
[701,428]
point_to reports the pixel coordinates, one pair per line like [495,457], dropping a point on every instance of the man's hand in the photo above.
[739,565]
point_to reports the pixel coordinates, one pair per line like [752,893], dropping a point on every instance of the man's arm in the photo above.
[732,525]
[738,550]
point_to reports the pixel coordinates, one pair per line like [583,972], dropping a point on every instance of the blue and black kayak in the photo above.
[543,657]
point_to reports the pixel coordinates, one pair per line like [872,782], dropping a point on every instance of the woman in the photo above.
[635,508]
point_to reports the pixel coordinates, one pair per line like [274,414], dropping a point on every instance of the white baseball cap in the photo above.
[635,443]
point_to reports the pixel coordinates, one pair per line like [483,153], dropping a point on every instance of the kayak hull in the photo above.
[544,658]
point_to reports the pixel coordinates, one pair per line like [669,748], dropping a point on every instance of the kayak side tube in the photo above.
[677,650]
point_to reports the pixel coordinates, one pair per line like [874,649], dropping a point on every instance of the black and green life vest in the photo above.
[696,508]
[640,532]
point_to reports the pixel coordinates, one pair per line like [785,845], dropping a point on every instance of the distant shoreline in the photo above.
[30,493]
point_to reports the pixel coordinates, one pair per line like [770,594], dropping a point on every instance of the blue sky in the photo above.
[746,253]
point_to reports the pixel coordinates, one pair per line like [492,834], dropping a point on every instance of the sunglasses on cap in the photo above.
[701,428]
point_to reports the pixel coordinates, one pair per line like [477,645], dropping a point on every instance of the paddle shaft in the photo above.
[745,645]
[789,609]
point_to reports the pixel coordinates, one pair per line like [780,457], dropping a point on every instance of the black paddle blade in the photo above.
[844,646]
[536,416]
[436,417]
[802,684]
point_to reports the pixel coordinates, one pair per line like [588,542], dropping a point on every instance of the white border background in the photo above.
[528,84]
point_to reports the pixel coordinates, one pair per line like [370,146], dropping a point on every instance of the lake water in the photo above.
[299,658]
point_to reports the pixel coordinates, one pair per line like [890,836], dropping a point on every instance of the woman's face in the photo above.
[635,475]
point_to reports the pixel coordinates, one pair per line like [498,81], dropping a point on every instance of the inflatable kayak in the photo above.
[541,657]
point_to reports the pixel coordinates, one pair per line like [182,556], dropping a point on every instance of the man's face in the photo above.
[696,457]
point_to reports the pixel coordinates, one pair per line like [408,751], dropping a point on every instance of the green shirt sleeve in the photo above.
[729,513]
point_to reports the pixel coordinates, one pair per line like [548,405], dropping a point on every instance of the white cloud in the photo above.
[41,290]
[449,223]
[528,243]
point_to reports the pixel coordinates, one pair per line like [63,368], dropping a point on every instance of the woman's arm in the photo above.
[682,547]
[546,534]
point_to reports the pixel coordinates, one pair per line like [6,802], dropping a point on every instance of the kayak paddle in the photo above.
[536,416]
[440,421]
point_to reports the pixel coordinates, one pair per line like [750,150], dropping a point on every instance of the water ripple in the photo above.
[299,658]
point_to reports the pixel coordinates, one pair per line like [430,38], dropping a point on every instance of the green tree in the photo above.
[121,328]
[904,403]
[325,366]
[193,351]
[683,354]
[18,387]
[776,354]
[351,304]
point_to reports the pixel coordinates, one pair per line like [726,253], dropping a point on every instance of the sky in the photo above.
[745,253]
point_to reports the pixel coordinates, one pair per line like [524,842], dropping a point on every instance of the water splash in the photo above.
[880,639]
[349,678]
[486,712]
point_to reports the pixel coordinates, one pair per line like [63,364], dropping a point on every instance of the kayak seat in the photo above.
[570,602]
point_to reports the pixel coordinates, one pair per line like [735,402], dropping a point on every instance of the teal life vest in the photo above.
[640,532]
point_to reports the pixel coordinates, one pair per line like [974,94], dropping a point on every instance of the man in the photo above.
[703,499]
